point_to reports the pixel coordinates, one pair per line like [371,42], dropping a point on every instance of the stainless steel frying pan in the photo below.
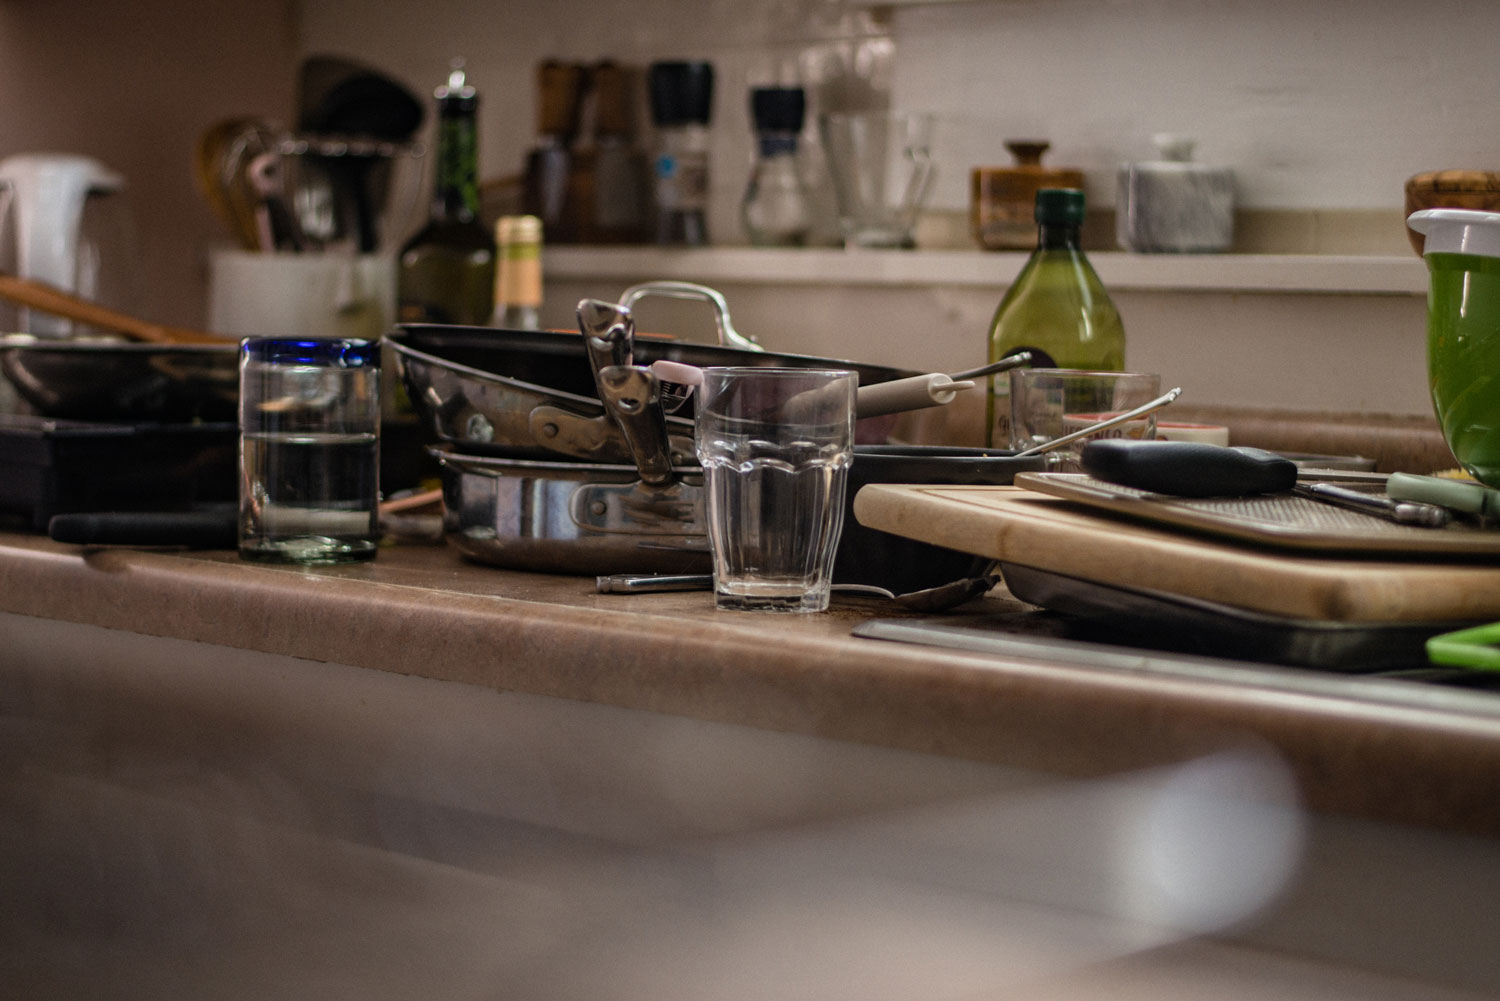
[531,393]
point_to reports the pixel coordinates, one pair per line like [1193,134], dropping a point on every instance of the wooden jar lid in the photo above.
[1451,189]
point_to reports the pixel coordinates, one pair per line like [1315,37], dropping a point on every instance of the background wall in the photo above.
[1326,106]
[133,85]
[1321,107]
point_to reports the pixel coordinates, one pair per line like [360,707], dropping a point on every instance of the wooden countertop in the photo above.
[1382,749]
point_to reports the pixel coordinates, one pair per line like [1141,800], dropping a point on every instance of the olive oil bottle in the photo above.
[446,270]
[1057,309]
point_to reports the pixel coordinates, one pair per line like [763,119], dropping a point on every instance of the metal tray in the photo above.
[1183,624]
[1281,520]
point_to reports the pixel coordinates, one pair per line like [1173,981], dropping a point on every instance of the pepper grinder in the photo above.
[681,103]
[1174,205]
[775,210]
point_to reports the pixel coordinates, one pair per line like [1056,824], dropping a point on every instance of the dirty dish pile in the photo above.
[549,464]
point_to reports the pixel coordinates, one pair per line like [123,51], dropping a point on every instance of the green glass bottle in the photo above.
[1057,309]
[446,270]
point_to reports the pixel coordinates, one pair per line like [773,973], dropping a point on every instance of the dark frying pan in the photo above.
[162,374]
[556,359]
[107,380]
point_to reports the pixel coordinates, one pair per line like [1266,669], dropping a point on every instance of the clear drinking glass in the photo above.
[309,449]
[1047,403]
[775,445]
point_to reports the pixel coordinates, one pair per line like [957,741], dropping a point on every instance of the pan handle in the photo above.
[728,336]
[633,397]
[50,299]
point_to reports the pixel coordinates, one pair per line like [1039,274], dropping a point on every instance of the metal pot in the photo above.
[106,380]
[588,518]
[531,395]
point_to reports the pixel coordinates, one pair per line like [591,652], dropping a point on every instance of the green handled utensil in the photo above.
[1474,648]
[1467,496]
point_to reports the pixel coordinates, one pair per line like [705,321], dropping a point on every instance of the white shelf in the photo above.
[1250,273]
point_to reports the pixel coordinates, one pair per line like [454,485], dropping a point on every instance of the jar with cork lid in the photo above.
[1003,199]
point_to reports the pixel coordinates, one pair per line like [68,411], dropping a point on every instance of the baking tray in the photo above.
[1281,520]
[1185,624]
[52,466]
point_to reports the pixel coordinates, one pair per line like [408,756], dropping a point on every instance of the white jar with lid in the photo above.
[1174,205]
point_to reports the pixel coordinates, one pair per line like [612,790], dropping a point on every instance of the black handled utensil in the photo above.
[213,526]
[1188,468]
[1198,469]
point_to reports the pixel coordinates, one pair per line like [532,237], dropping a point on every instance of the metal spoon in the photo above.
[1129,415]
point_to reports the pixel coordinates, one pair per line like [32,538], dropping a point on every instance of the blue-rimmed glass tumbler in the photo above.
[309,449]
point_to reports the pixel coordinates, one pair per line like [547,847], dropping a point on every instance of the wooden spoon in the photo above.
[49,299]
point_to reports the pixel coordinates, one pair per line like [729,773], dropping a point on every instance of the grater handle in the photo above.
[1188,468]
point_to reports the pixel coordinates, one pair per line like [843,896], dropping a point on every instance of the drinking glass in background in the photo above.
[309,449]
[1047,403]
[775,445]
[881,167]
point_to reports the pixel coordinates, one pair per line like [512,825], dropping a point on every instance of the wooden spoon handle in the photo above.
[49,299]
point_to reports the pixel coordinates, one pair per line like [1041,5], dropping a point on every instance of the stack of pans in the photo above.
[538,474]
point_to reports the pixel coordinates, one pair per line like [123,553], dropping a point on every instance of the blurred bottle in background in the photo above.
[518,273]
[1057,308]
[446,270]
[550,166]
[619,192]
[681,95]
[775,210]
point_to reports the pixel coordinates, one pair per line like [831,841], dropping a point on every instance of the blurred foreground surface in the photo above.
[180,820]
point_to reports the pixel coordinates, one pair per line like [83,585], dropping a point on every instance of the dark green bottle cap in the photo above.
[1059,207]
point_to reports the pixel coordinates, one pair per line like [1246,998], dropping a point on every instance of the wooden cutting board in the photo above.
[1021,526]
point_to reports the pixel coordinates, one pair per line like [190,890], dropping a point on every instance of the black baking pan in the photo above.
[1183,624]
[870,556]
[50,467]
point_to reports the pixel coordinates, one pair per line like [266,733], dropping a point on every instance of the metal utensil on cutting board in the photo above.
[1400,511]
[1104,425]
